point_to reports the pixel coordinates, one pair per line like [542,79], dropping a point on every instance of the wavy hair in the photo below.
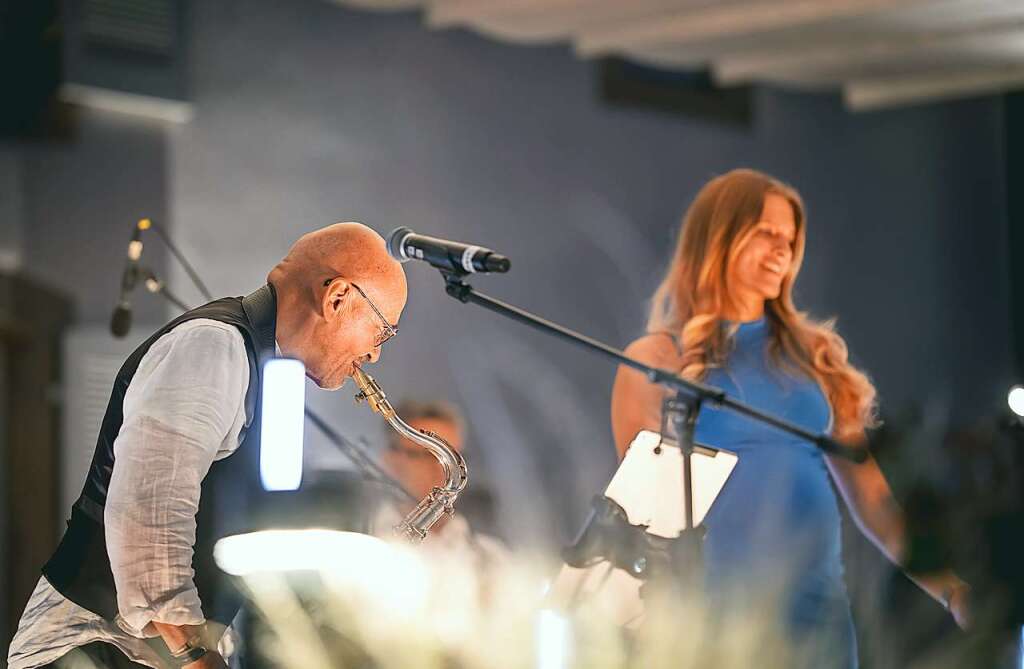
[694,294]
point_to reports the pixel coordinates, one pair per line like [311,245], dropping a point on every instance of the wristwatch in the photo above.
[192,651]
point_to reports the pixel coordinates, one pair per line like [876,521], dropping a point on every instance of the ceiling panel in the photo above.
[821,44]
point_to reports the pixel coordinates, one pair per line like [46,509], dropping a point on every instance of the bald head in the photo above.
[350,250]
[323,318]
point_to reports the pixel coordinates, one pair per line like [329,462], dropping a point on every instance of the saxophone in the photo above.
[441,500]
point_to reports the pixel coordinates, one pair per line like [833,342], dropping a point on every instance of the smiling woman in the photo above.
[724,315]
[737,260]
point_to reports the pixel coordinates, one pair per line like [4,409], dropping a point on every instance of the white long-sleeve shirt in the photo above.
[183,410]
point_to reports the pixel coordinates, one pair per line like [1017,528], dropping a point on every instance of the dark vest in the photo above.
[80,568]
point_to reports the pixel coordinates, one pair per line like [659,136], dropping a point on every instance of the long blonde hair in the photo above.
[694,293]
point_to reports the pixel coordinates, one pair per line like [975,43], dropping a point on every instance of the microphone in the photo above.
[121,319]
[447,256]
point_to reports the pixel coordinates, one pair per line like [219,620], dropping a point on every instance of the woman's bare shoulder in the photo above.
[658,350]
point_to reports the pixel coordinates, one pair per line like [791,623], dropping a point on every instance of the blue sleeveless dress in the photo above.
[774,530]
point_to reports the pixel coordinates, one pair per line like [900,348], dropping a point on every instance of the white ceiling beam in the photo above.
[145,106]
[883,92]
[447,13]
[823,58]
[545,15]
[743,17]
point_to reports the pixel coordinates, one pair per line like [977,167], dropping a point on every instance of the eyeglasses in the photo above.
[388,331]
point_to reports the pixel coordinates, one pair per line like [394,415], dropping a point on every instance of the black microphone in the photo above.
[405,245]
[121,319]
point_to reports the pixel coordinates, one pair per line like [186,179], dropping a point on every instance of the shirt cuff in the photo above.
[184,608]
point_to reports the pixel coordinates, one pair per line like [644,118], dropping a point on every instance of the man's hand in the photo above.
[960,606]
[176,636]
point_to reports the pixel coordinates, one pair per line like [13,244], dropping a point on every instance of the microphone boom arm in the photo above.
[456,287]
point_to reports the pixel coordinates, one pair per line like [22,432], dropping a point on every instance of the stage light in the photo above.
[311,549]
[554,640]
[283,550]
[391,575]
[1016,400]
[284,404]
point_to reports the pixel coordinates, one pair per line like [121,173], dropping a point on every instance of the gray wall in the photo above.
[67,207]
[82,197]
[308,113]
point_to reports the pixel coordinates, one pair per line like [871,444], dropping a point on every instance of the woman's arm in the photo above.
[880,518]
[636,402]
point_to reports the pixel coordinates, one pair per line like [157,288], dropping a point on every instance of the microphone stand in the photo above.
[158,287]
[463,292]
[360,458]
[196,281]
[682,410]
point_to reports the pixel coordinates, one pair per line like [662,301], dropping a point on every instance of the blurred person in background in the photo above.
[418,471]
[967,509]
[724,315]
[133,582]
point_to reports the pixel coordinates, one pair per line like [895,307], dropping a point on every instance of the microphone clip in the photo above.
[455,286]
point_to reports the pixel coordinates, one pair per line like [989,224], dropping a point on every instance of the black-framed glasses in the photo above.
[388,331]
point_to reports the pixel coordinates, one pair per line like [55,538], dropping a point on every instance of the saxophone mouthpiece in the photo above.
[370,392]
[361,378]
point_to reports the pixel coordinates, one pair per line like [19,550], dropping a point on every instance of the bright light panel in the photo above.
[390,575]
[1016,400]
[554,640]
[297,550]
[284,406]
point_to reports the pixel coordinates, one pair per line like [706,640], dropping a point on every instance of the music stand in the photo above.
[646,525]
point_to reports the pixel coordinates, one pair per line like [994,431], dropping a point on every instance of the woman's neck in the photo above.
[744,311]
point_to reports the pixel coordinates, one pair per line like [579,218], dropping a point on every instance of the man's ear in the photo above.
[338,292]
